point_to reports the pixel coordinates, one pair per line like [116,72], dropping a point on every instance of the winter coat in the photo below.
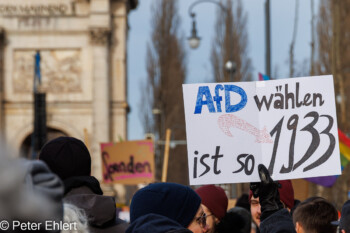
[156,223]
[279,222]
[85,193]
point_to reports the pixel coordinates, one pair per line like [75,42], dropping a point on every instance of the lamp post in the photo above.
[267,38]
[230,66]
[194,39]
[39,134]
[160,125]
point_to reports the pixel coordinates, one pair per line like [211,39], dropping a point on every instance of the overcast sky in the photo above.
[199,68]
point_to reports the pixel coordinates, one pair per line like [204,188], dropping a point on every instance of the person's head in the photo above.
[255,209]
[67,157]
[236,220]
[344,222]
[199,224]
[286,192]
[314,215]
[243,201]
[29,192]
[214,203]
[174,201]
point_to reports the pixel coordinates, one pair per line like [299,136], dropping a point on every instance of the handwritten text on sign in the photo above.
[130,162]
[288,125]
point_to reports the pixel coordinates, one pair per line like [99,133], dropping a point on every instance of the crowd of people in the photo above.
[58,194]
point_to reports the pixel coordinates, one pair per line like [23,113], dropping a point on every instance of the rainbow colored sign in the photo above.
[344,148]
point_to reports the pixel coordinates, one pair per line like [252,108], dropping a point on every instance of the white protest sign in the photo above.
[289,125]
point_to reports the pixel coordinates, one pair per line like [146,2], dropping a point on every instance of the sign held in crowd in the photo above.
[289,125]
[130,162]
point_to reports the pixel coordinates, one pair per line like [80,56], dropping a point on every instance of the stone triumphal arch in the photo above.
[82,44]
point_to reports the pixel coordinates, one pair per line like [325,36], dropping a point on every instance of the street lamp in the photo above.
[338,98]
[230,67]
[160,125]
[194,40]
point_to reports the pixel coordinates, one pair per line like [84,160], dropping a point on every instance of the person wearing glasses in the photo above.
[166,207]
[214,204]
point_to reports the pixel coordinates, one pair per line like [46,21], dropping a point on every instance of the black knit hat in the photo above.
[344,221]
[67,157]
[175,201]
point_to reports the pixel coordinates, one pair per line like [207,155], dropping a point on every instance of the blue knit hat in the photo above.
[175,201]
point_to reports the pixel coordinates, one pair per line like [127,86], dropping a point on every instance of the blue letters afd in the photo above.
[203,91]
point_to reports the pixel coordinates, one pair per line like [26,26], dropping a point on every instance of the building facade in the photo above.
[82,44]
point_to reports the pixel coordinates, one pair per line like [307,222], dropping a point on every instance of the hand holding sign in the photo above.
[288,125]
[267,191]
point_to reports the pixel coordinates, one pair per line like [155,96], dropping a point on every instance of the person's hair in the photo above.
[315,215]
[243,201]
[74,215]
[237,220]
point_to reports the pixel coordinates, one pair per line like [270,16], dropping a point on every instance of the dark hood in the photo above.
[156,224]
[80,181]
[100,210]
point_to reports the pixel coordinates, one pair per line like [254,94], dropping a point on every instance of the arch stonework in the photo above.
[27,129]
[83,69]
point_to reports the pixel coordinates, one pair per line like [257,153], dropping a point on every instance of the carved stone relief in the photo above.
[99,36]
[27,8]
[60,71]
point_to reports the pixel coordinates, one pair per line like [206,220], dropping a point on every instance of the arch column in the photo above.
[2,47]
[99,38]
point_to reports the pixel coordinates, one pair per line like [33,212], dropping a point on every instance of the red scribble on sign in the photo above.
[135,169]
[228,121]
[122,177]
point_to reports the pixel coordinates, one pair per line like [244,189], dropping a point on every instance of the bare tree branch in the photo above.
[166,72]
[231,43]
[291,48]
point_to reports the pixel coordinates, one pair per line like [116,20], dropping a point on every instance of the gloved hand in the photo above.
[267,191]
